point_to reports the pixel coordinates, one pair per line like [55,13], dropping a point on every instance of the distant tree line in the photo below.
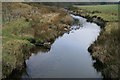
[69,4]
[65,4]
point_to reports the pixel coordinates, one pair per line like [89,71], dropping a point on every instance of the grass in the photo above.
[45,24]
[111,9]
[15,44]
[17,29]
[14,53]
[107,12]
[26,23]
[106,48]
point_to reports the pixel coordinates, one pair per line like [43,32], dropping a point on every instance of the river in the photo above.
[68,56]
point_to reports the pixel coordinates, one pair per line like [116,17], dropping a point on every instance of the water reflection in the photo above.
[40,49]
[68,56]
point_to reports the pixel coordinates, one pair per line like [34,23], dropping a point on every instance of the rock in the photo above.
[38,44]
[99,22]
[47,45]
[90,49]
[65,29]
[43,31]
[31,40]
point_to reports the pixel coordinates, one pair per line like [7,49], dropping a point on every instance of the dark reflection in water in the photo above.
[98,66]
[40,49]
[68,56]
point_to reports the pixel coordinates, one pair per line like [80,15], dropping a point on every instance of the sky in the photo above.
[62,0]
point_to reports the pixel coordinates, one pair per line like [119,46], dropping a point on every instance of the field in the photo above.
[101,8]
[106,48]
[107,12]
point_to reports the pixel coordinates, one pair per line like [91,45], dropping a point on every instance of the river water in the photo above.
[68,56]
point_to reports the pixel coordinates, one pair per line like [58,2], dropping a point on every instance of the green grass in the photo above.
[17,29]
[107,12]
[101,8]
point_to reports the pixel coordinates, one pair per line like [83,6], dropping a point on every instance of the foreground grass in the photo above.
[15,44]
[106,48]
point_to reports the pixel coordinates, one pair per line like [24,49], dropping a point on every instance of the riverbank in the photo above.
[26,26]
[106,49]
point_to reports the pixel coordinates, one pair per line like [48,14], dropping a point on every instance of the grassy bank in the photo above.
[106,48]
[107,12]
[28,25]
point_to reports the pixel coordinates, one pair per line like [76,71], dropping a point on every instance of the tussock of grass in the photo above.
[14,54]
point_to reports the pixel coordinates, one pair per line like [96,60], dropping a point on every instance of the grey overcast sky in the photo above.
[79,0]
[61,0]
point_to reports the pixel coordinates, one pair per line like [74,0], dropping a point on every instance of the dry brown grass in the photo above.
[23,22]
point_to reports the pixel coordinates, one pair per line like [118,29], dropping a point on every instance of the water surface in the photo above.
[68,56]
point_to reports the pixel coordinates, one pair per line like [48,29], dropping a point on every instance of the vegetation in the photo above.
[27,25]
[106,12]
[106,48]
